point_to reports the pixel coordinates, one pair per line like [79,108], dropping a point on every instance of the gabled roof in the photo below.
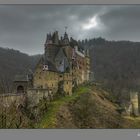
[51,66]
[61,61]
[60,54]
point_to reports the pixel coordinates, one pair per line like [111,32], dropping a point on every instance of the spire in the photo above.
[66,35]
[55,37]
[66,29]
[66,39]
[48,39]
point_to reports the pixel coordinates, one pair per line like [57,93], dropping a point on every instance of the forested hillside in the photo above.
[116,64]
[14,62]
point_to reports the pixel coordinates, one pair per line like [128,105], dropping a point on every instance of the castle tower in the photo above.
[55,38]
[66,46]
[51,46]
[66,38]
[48,39]
[134,103]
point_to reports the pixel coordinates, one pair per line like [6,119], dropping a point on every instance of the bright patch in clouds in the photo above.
[92,23]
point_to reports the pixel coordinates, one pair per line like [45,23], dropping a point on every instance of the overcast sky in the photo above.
[24,27]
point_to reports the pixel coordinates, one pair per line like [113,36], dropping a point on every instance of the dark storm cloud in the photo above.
[24,27]
[122,23]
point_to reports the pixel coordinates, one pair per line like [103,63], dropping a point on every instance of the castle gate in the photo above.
[20,89]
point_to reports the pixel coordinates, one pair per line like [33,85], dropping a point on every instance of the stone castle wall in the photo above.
[33,97]
[7,100]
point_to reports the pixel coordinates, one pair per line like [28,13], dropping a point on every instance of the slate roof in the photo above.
[22,78]
[58,61]
[61,61]
[51,66]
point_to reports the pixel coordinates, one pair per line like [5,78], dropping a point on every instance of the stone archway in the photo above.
[20,89]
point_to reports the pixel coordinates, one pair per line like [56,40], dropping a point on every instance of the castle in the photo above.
[63,66]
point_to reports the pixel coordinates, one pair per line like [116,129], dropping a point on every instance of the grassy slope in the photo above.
[49,119]
[131,122]
[100,112]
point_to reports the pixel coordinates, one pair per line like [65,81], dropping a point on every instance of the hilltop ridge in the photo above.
[89,107]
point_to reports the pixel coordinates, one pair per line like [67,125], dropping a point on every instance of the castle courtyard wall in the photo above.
[7,100]
[33,97]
